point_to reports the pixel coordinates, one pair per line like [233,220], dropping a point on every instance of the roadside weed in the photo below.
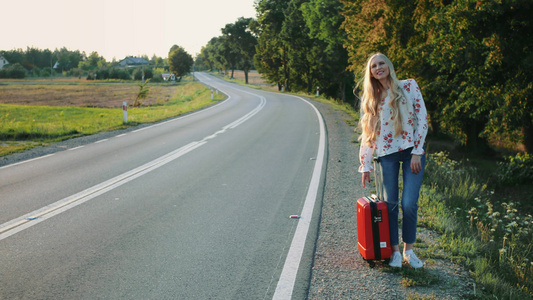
[485,231]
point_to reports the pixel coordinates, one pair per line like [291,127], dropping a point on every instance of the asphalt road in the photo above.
[196,207]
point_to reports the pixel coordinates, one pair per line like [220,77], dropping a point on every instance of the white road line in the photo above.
[287,279]
[75,148]
[286,282]
[16,225]
[26,161]
[28,220]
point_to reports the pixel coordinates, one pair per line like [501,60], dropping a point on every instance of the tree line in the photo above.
[234,49]
[473,59]
[296,44]
[36,62]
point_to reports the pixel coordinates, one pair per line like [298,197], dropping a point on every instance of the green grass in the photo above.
[487,231]
[23,127]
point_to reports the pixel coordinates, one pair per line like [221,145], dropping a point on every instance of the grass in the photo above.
[25,126]
[487,231]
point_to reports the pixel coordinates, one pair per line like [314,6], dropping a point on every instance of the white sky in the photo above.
[117,28]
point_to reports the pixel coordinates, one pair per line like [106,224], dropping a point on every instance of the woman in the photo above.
[394,127]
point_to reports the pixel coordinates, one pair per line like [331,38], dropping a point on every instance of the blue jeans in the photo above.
[390,169]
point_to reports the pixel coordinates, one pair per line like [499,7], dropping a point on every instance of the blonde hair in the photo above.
[373,92]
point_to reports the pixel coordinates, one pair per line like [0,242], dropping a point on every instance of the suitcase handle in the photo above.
[379,183]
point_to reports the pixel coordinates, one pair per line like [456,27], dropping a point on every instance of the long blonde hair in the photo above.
[373,93]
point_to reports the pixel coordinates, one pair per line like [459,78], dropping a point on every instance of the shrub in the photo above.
[137,75]
[157,75]
[516,169]
[119,73]
[102,74]
[46,72]
[75,73]
[13,71]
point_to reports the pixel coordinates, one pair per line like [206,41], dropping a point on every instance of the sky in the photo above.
[117,28]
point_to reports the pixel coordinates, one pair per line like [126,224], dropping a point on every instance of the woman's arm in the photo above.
[421,114]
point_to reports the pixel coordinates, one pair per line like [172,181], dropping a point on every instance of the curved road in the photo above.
[196,207]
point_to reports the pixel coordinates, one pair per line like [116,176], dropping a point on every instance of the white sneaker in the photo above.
[410,257]
[396,260]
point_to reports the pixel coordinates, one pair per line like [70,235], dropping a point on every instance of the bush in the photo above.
[516,169]
[157,75]
[13,71]
[75,73]
[137,75]
[46,72]
[102,74]
[119,73]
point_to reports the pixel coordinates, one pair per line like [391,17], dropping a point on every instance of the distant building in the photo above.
[133,62]
[3,62]
[168,76]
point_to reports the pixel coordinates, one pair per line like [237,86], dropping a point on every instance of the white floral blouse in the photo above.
[415,128]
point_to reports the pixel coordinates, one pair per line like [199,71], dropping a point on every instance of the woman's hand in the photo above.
[366,178]
[416,164]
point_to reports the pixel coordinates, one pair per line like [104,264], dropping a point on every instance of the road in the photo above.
[196,207]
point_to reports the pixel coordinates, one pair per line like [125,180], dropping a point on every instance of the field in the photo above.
[254,79]
[80,93]
[40,112]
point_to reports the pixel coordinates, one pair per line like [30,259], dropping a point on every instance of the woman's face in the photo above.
[379,68]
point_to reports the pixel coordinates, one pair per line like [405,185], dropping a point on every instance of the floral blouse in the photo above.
[415,128]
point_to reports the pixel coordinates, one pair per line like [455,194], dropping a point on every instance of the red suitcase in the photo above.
[373,233]
[373,229]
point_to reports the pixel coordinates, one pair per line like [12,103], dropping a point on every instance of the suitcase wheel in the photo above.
[371,263]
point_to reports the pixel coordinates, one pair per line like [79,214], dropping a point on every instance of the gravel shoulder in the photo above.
[339,272]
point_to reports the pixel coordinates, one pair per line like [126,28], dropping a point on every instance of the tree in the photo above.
[227,54]
[301,45]
[142,94]
[158,62]
[330,59]
[241,43]
[14,56]
[271,55]
[92,62]
[298,46]
[483,69]
[202,61]
[180,61]
[472,58]
[214,53]
[67,59]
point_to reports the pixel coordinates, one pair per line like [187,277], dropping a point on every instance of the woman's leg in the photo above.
[410,194]
[390,167]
